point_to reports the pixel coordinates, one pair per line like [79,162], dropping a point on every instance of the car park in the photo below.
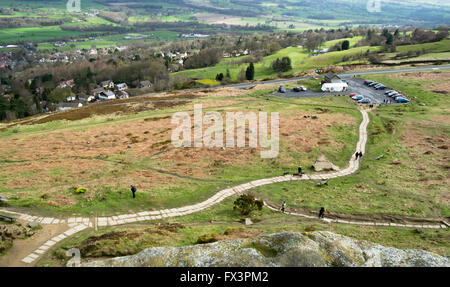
[365,101]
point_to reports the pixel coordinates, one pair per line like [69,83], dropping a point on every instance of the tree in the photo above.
[241,76]
[4,107]
[389,39]
[345,45]
[250,73]
[19,107]
[247,203]
[60,95]
[219,77]
[282,65]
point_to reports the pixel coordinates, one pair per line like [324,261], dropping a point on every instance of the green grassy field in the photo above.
[301,62]
[13,35]
[114,40]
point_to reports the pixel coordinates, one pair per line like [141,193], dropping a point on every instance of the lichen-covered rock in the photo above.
[9,232]
[282,249]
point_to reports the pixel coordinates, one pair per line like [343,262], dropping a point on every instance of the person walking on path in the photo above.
[133,190]
[356,155]
[283,206]
[360,154]
[322,212]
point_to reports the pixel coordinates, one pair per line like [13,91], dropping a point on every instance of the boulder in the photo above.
[248,221]
[33,224]
[314,249]
[323,164]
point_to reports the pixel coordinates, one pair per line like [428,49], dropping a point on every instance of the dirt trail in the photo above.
[22,247]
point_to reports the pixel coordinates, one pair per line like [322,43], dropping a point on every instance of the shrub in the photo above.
[207,238]
[247,203]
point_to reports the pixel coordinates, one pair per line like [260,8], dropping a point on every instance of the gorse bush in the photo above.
[247,203]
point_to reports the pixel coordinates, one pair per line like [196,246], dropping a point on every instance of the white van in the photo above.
[334,87]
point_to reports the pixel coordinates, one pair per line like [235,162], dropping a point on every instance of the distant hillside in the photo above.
[295,14]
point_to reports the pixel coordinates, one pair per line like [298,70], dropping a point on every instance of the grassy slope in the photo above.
[225,218]
[182,191]
[301,61]
[404,182]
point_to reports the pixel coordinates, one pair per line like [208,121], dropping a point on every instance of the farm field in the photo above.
[114,40]
[301,62]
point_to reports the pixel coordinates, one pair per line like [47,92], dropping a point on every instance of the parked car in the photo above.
[400,97]
[352,95]
[373,84]
[367,82]
[281,89]
[389,91]
[365,101]
[402,100]
[396,95]
[299,89]
[358,97]
[380,87]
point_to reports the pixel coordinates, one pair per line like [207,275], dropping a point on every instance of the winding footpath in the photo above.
[77,224]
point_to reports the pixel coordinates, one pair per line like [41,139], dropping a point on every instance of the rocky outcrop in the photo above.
[282,249]
[10,232]
[323,164]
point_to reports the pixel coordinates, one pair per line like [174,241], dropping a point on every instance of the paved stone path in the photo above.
[77,224]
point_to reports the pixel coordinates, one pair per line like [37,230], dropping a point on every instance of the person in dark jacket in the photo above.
[322,212]
[283,206]
[133,190]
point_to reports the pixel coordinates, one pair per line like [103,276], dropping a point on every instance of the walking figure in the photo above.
[300,171]
[133,190]
[360,154]
[283,206]
[356,155]
[322,212]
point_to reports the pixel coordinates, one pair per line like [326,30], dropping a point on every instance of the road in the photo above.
[344,75]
